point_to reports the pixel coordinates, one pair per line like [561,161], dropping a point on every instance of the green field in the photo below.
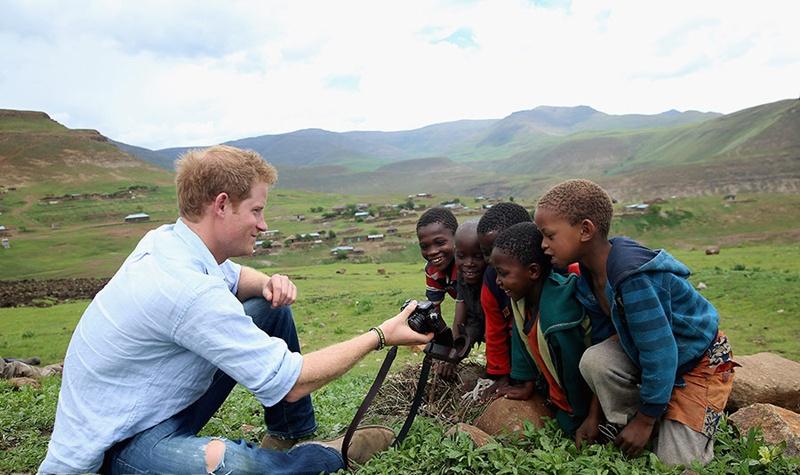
[753,282]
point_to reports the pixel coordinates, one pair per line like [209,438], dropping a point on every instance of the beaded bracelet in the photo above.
[381,337]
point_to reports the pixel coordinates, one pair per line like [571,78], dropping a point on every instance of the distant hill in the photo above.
[461,140]
[756,149]
[684,153]
[38,151]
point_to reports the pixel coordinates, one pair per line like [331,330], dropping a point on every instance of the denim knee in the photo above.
[262,312]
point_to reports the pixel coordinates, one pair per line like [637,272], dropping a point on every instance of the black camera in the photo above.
[427,319]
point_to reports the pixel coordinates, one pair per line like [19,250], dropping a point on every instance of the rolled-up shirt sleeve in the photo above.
[231,270]
[215,327]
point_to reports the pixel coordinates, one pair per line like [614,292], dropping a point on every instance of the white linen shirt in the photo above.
[148,346]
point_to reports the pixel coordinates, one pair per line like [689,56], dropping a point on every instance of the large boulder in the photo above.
[766,378]
[507,415]
[777,423]
[479,437]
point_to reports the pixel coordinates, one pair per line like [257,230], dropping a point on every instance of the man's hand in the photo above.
[635,435]
[279,290]
[398,333]
[521,392]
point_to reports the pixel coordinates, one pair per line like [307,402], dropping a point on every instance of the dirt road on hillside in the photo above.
[43,293]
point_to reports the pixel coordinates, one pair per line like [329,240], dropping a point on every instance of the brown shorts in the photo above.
[700,403]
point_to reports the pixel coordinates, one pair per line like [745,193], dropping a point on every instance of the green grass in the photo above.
[752,283]
[27,415]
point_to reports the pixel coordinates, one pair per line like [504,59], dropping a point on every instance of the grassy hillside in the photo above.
[39,153]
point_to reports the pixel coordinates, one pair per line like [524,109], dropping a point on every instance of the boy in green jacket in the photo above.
[550,329]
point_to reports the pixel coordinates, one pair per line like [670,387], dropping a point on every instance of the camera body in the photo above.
[426,318]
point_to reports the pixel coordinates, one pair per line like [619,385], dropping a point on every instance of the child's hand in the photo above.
[445,370]
[522,392]
[491,392]
[635,435]
[587,432]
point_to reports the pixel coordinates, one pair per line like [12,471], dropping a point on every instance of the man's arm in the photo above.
[323,366]
[276,288]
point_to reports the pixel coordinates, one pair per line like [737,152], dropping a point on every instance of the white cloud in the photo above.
[192,73]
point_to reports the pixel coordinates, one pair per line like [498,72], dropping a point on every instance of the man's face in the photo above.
[244,222]
[561,240]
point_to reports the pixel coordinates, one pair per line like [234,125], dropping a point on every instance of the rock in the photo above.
[701,286]
[18,383]
[777,423]
[341,271]
[479,437]
[765,378]
[509,415]
[710,250]
[382,271]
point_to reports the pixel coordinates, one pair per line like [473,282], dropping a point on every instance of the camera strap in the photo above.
[373,391]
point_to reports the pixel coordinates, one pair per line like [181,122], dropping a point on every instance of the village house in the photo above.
[340,250]
[137,218]
[351,239]
[375,237]
[361,214]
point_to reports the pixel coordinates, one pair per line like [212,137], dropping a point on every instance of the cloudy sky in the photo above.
[169,73]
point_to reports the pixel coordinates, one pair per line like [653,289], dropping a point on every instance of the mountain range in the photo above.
[672,153]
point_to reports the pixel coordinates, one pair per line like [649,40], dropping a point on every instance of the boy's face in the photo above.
[469,257]
[560,239]
[486,242]
[436,245]
[516,279]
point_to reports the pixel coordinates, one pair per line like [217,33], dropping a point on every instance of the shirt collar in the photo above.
[200,251]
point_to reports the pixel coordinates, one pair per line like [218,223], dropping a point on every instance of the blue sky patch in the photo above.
[344,82]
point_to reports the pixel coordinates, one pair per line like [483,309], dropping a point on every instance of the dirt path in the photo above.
[43,293]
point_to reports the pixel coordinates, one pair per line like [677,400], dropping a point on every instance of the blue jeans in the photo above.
[173,446]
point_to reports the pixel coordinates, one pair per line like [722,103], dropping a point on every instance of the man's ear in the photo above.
[534,271]
[221,202]
[588,230]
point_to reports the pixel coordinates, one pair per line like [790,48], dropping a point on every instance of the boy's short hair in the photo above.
[202,174]
[523,242]
[502,216]
[579,199]
[439,215]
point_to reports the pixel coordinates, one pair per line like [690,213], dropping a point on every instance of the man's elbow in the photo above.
[294,394]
